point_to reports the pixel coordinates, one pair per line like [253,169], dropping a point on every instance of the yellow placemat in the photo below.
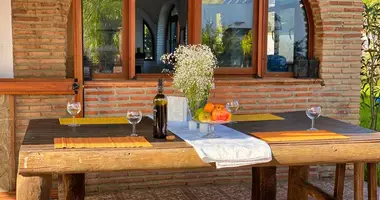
[101,142]
[100,120]
[298,135]
[255,117]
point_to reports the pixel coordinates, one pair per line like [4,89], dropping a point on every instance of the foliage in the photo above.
[212,37]
[99,15]
[148,43]
[193,72]
[365,121]
[246,44]
[370,75]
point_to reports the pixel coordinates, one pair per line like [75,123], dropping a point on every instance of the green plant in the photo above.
[246,44]
[99,15]
[370,75]
[212,37]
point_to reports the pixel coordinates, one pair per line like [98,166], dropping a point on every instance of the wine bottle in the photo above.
[160,113]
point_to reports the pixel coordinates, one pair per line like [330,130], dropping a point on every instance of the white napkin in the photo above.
[177,108]
[232,149]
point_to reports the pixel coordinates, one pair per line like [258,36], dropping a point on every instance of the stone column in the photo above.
[6,181]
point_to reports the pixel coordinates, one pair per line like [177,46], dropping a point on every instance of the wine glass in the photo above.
[232,106]
[211,132]
[313,113]
[73,108]
[134,117]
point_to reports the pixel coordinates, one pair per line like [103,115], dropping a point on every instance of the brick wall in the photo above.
[39,37]
[37,107]
[39,32]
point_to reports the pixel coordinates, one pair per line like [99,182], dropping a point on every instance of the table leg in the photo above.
[359,181]
[297,174]
[71,187]
[33,187]
[264,183]
[340,173]
[372,182]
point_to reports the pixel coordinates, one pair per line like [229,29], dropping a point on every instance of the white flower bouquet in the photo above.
[193,73]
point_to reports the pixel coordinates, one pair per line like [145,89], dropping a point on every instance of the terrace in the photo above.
[105,54]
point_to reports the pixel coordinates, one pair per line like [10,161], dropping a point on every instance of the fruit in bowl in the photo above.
[212,113]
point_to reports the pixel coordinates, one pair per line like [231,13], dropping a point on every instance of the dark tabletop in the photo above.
[43,131]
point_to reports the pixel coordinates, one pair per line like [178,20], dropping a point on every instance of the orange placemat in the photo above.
[298,135]
[103,142]
[255,117]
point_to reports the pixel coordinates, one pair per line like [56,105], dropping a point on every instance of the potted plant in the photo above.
[300,69]
[193,73]
[314,68]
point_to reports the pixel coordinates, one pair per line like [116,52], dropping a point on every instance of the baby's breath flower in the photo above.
[193,70]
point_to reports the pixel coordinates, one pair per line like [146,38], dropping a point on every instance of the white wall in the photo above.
[6,48]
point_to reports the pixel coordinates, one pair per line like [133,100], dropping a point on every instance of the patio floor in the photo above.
[237,191]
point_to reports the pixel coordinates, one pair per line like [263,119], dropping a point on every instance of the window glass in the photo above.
[102,30]
[160,28]
[287,34]
[227,30]
[148,43]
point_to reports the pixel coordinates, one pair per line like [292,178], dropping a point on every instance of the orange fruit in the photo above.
[219,107]
[209,107]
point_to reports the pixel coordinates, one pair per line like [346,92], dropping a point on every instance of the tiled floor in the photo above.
[240,191]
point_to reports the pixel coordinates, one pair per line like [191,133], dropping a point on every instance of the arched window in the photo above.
[148,42]
[287,34]
[172,30]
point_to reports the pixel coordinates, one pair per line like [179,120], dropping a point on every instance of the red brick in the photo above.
[132,92]
[131,104]
[281,106]
[279,95]
[304,94]
[295,100]
[142,98]
[99,93]
[90,99]
[101,105]
[269,89]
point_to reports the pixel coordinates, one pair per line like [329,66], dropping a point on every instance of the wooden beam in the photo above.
[128,38]
[340,173]
[313,191]
[36,86]
[359,181]
[12,151]
[264,183]
[45,159]
[71,187]
[194,17]
[78,53]
[296,175]
[33,187]
[372,181]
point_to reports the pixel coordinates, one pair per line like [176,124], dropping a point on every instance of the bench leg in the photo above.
[372,182]
[264,183]
[33,187]
[297,174]
[71,187]
[340,173]
[359,181]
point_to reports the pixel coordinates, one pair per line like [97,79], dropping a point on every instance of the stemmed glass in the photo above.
[232,106]
[134,117]
[73,108]
[313,113]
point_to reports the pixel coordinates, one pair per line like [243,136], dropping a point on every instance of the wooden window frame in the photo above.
[310,39]
[194,28]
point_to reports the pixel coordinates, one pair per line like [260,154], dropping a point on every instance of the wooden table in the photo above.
[38,158]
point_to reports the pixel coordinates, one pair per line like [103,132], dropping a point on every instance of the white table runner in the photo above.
[232,149]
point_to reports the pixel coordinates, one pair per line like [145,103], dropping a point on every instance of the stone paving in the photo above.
[239,191]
